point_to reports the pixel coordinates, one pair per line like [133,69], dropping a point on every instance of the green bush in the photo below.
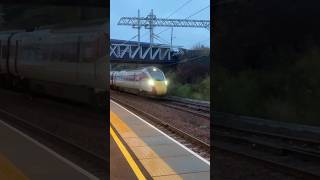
[199,90]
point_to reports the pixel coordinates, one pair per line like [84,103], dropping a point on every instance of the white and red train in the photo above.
[147,80]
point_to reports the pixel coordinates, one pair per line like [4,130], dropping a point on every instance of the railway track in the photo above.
[195,107]
[197,145]
[198,108]
[294,155]
[94,163]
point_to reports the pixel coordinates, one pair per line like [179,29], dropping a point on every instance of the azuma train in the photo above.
[64,62]
[148,80]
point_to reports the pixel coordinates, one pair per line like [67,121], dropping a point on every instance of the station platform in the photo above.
[23,158]
[152,153]
[119,167]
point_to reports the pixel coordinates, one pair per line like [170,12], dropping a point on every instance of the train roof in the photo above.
[137,69]
[72,27]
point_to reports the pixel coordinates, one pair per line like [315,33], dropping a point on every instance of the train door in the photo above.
[12,52]
[13,57]
[26,61]
[140,80]
[113,79]
[138,83]
[4,53]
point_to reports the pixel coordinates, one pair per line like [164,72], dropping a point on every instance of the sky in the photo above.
[186,37]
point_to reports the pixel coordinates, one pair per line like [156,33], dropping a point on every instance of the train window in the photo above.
[141,76]
[129,77]
[64,52]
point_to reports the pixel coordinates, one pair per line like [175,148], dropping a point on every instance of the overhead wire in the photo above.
[163,40]
[197,12]
[187,2]
[124,43]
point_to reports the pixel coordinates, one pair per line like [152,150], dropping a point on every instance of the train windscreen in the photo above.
[156,74]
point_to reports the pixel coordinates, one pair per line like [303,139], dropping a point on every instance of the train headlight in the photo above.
[151,82]
[166,82]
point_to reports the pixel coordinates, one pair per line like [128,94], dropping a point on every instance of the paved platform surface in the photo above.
[119,167]
[23,158]
[156,154]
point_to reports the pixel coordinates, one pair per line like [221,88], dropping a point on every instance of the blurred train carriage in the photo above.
[64,62]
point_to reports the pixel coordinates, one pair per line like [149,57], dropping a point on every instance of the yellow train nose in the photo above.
[160,87]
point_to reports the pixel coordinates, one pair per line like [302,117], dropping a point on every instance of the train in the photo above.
[66,62]
[147,81]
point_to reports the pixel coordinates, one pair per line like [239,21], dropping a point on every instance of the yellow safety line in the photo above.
[127,155]
[9,171]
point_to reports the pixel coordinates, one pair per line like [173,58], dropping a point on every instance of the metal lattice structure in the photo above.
[145,21]
[135,52]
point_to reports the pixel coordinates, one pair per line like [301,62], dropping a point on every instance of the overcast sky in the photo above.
[186,37]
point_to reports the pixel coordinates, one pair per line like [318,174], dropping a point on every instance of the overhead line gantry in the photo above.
[151,21]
